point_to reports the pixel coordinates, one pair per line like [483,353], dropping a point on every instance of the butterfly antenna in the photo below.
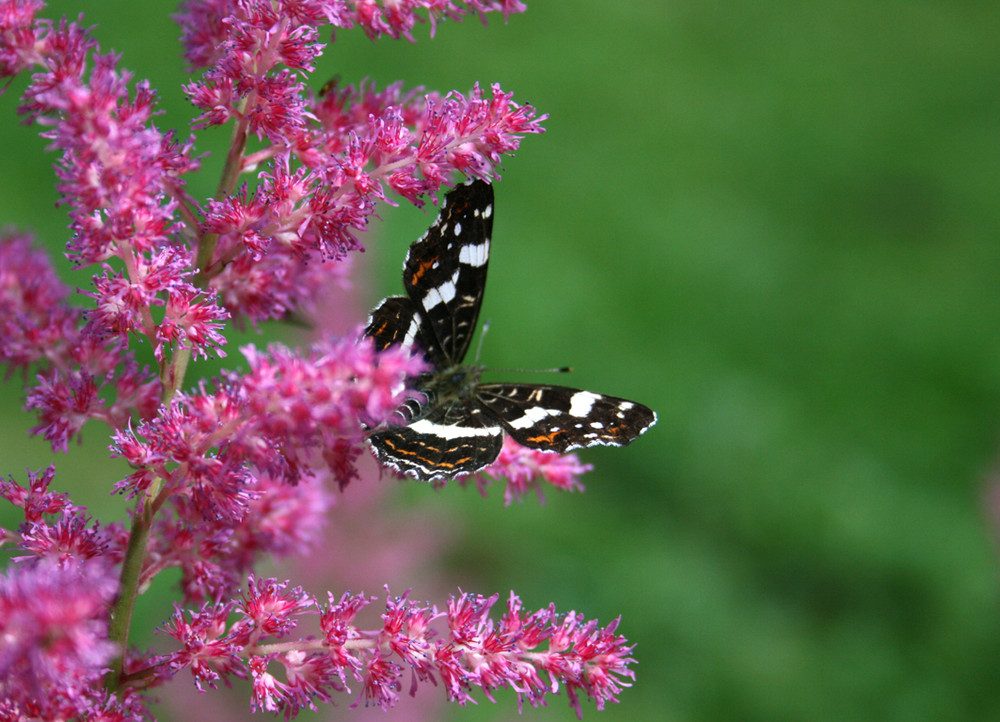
[479,348]
[559,370]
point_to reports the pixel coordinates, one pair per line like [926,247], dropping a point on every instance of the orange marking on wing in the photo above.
[397,449]
[421,270]
[547,438]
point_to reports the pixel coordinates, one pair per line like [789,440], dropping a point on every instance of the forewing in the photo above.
[452,441]
[397,320]
[445,269]
[558,418]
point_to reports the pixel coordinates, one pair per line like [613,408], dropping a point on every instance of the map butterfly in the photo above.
[459,424]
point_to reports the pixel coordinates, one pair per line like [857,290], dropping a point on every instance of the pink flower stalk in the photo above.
[229,471]
[532,654]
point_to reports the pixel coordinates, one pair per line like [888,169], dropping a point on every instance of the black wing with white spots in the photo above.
[458,426]
[445,271]
[558,418]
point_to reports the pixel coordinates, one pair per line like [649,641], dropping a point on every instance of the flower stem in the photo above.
[121,613]
[227,184]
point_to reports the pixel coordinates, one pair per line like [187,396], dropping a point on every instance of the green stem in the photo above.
[121,613]
[227,184]
[174,376]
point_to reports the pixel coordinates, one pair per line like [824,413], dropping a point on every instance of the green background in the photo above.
[776,224]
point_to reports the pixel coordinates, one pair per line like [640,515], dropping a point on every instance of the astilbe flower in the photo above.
[350,144]
[532,654]
[56,530]
[361,141]
[54,647]
[228,471]
[122,180]
[238,463]
[75,371]
[35,324]
[207,32]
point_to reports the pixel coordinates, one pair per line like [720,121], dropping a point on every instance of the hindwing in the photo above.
[559,418]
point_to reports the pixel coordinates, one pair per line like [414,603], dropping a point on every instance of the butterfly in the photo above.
[458,424]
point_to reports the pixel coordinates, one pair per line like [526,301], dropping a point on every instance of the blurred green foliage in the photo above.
[776,224]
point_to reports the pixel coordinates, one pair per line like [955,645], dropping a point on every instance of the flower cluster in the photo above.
[79,376]
[532,654]
[524,468]
[240,462]
[54,607]
[57,531]
[53,620]
[227,471]
[331,157]
[206,24]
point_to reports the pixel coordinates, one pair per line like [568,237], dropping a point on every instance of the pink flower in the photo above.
[309,677]
[407,632]
[206,649]
[380,681]
[337,623]
[19,36]
[475,651]
[397,18]
[53,638]
[269,608]
[76,367]
[282,519]
[36,500]
[414,141]
[241,463]
[605,658]
[35,322]
[525,469]
[72,537]
[268,693]
[364,140]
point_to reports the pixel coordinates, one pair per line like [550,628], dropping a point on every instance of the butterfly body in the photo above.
[459,424]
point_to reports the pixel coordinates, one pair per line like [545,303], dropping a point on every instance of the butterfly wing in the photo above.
[445,271]
[558,418]
[453,440]
[397,320]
